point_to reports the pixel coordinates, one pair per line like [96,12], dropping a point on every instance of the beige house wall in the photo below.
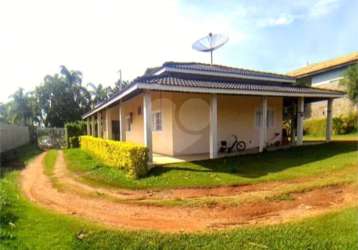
[162,140]
[185,120]
[190,123]
[236,115]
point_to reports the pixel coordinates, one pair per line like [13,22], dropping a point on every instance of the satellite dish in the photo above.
[210,43]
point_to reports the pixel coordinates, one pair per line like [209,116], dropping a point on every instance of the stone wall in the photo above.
[341,106]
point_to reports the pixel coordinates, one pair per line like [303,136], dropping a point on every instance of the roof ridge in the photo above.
[225,66]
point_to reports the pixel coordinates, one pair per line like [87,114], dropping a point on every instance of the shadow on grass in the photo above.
[253,166]
[18,158]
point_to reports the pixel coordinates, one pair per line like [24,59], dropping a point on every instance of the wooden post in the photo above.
[263,124]
[147,119]
[329,120]
[300,116]
[122,131]
[213,116]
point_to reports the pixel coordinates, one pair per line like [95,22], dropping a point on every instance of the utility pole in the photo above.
[120,79]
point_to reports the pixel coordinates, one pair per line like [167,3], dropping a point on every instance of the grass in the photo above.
[269,166]
[49,162]
[32,227]
[346,137]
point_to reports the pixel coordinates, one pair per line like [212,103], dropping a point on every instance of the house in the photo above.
[188,108]
[327,74]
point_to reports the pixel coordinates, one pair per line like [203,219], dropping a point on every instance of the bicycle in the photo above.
[237,146]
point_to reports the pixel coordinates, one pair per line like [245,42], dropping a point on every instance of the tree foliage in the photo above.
[350,81]
[59,99]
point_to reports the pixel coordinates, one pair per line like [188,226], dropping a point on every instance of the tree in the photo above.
[62,98]
[20,111]
[350,82]
[99,93]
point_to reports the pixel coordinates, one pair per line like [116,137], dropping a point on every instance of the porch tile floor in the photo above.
[160,159]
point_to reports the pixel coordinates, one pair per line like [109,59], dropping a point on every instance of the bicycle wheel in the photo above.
[241,146]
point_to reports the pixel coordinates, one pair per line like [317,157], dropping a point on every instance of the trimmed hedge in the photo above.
[341,125]
[130,157]
[73,130]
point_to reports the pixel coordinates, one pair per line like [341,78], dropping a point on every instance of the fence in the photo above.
[51,137]
[13,136]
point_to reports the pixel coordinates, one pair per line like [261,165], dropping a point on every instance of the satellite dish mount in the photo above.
[210,43]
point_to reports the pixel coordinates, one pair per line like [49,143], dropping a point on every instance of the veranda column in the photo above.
[300,116]
[121,123]
[108,124]
[329,120]
[88,126]
[263,124]
[99,124]
[93,127]
[213,116]
[147,119]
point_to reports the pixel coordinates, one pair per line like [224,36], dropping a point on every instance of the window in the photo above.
[270,119]
[128,123]
[157,121]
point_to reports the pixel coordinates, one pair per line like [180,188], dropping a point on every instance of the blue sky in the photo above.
[283,35]
[99,37]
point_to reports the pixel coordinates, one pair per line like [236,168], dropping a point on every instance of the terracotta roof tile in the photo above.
[321,66]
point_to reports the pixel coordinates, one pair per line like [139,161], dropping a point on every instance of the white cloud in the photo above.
[322,7]
[281,20]
[285,13]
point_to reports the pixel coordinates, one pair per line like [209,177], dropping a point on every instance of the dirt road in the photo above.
[69,196]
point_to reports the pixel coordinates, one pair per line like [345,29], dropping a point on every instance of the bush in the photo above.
[341,125]
[345,124]
[130,157]
[74,142]
[315,127]
[72,130]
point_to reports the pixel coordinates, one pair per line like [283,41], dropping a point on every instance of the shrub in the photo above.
[315,127]
[130,157]
[74,129]
[73,142]
[345,124]
[341,125]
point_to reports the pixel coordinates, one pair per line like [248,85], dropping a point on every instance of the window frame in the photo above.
[154,121]
[128,123]
[270,118]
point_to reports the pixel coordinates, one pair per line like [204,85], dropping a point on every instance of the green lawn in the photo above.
[347,137]
[269,166]
[26,226]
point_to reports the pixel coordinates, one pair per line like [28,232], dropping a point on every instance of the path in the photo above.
[71,199]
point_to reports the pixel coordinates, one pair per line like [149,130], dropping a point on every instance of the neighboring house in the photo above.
[327,75]
[188,108]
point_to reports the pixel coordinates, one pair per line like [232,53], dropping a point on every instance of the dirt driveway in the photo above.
[112,207]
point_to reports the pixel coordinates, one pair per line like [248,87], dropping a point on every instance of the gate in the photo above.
[51,137]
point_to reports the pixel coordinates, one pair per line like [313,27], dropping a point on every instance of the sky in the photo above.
[100,37]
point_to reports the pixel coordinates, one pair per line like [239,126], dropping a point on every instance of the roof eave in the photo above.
[236,91]
[319,71]
[160,87]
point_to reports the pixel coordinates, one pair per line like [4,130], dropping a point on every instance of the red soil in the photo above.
[70,199]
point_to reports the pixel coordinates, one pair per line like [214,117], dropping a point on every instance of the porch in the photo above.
[161,159]
[180,127]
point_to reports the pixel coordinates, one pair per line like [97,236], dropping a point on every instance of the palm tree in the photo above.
[99,93]
[20,109]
